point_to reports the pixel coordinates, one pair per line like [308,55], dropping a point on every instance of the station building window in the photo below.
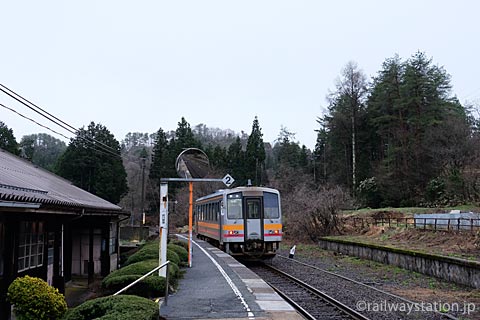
[112,238]
[30,245]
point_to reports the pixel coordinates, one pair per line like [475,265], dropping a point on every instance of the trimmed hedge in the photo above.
[173,257]
[179,250]
[180,243]
[152,286]
[148,251]
[34,299]
[121,307]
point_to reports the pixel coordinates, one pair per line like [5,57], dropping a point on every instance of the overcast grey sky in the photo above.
[136,66]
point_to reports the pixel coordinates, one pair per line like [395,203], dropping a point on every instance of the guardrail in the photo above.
[449,224]
[146,275]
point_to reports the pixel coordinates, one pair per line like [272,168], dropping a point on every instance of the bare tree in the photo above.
[353,88]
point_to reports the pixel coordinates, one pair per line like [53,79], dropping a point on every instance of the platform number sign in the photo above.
[228,180]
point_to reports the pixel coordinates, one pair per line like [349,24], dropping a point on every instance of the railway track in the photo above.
[351,292]
[309,301]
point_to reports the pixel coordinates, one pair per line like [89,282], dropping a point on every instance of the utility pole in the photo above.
[143,188]
[144,158]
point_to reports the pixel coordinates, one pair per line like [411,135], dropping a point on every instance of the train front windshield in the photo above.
[234,206]
[271,205]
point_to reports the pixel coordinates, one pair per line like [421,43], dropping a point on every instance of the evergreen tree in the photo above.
[184,137]
[414,121]
[42,149]
[219,158]
[236,162]
[320,154]
[286,151]
[7,139]
[92,166]
[160,168]
[255,154]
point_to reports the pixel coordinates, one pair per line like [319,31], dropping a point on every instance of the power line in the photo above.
[37,123]
[48,115]
[106,148]
[105,152]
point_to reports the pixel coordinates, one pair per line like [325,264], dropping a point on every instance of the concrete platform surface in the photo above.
[219,287]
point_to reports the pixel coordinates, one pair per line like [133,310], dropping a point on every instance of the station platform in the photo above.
[219,287]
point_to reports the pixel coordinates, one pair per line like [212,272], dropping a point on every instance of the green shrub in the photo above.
[152,286]
[146,252]
[125,255]
[34,299]
[149,251]
[173,257]
[180,251]
[180,243]
[174,271]
[138,268]
[121,307]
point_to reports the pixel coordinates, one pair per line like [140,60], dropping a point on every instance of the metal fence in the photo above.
[427,223]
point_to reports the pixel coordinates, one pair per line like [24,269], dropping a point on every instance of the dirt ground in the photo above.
[460,244]
[416,287]
[410,285]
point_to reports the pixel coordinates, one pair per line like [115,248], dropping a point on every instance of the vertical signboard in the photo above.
[163,225]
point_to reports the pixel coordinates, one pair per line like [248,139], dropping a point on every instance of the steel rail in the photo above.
[322,295]
[363,284]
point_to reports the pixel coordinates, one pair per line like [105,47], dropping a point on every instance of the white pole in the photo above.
[163,228]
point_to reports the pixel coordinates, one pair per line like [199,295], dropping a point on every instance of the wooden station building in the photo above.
[51,229]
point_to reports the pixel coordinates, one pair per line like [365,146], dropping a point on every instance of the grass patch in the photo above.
[408,211]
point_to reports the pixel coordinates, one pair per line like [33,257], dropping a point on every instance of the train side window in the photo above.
[270,205]
[234,206]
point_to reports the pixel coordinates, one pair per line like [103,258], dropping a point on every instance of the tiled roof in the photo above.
[22,181]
